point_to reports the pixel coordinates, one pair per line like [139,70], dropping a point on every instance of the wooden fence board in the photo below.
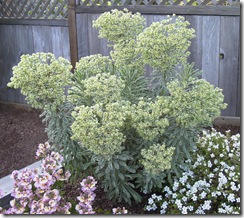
[82,32]
[210,48]
[42,39]
[24,39]
[94,42]
[57,42]
[65,43]
[229,67]
[167,9]
[196,23]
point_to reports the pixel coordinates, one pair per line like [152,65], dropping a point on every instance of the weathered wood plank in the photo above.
[229,66]
[65,42]
[93,35]
[42,39]
[166,9]
[57,43]
[82,31]
[239,88]
[210,48]
[36,22]
[3,61]
[196,23]
[12,59]
[24,40]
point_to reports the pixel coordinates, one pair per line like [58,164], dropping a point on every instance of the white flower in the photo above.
[159,198]
[178,203]
[209,164]
[162,211]
[222,179]
[207,205]
[154,207]
[148,208]
[150,201]
[190,208]
[221,210]
[188,185]
[194,197]
[184,199]
[183,179]
[203,194]
[212,155]
[231,197]
[164,205]
[145,191]
[184,210]
[213,194]
[154,196]
[166,189]
[176,185]
[199,211]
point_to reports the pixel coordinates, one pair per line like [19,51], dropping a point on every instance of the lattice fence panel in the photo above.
[158,2]
[34,9]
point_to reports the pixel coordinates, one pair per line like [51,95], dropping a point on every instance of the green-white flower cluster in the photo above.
[211,185]
[164,44]
[196,104]
[118,26]
[157,158]
[134,46]
[93,65]
[121,28]
[149,118]
[99,128]
[42,79]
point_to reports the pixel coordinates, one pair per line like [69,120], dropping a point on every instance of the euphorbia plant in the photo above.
[114,117]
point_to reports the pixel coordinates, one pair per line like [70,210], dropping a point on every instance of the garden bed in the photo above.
[21,130]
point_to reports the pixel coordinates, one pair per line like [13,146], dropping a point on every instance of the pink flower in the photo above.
[42,150]
[119,210]
[43,181]
[88,184]
[59,175]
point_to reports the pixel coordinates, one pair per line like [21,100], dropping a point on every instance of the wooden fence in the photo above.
[215,50]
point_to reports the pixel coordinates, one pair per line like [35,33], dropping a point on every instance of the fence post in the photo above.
[72,32]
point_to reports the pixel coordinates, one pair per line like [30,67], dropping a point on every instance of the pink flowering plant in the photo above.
[37,192]
[87,196]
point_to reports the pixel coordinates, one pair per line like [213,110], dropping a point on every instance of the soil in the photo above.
[22,130]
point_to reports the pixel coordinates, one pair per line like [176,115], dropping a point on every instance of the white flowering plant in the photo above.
[114,117]
[211,185]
